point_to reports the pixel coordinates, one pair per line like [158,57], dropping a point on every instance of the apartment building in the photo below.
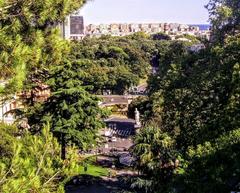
[114,28]
[134,27]
[172,29]
[124,28]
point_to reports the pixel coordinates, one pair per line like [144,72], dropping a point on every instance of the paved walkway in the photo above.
[95,188]
[104,184]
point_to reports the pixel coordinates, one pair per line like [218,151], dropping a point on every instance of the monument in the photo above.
[137,119]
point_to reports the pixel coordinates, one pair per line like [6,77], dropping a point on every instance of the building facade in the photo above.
[73,27]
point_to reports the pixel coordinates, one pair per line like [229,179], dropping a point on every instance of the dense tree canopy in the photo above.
[122,61]
[114,63]
[194,98]
[118,63]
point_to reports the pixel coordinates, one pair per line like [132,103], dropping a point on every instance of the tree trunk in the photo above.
[32,97]
[63,147]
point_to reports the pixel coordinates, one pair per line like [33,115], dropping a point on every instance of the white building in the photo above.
[6,106]
[134,27]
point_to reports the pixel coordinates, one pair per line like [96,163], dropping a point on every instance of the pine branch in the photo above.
[8,6]
[50,179]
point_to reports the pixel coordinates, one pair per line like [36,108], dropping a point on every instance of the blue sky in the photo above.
[127,11]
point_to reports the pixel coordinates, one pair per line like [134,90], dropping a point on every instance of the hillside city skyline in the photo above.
[76,29]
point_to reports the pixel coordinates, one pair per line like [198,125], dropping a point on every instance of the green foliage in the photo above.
[32,163]
[194,98]
[143,106]
[73,113]
[28,38]
[224,16]
[192,39]
[161,36]
[115,63]
[151,143]
[6,141]
[169,58]
[156,158]
[201,96]
[214,166]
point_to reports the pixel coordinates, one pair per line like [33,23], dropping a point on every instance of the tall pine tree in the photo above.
[73,113]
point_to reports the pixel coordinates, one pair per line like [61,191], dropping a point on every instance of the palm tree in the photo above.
[155,158]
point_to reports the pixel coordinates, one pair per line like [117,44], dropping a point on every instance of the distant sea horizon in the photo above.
[202,27]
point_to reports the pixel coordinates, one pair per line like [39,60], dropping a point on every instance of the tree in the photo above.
[195,99]
[32,163]
[161,36]
[29,40]
[155,158]
[214,166]
[73,113]
[143,106]
[114,63]
[192,39]
[224,17]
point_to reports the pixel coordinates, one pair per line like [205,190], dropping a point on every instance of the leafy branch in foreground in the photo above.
[32,163]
